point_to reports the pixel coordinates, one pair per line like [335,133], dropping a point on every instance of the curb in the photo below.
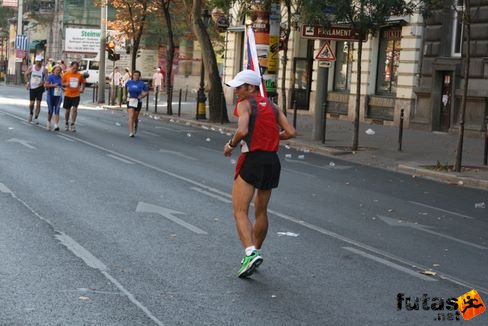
[451,179]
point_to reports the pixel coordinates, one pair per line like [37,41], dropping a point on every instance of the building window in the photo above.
[457,41]
[343,66]
[389,60]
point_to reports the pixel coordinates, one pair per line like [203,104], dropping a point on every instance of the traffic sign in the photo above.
[325,64]
[20,54]
[325,53]
[338,33]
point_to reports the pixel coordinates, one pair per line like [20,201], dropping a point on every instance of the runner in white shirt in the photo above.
[35,77]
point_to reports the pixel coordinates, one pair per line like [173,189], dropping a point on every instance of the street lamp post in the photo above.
[201,98]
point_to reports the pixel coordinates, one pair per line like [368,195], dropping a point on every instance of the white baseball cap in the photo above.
[39,58]
[245,77]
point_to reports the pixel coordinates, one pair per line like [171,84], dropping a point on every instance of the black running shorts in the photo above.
[261,169]
[70,102]
[36,93]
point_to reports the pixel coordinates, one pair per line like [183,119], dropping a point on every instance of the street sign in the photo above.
[325,64]
[20,54]
[325,53]
[332,33]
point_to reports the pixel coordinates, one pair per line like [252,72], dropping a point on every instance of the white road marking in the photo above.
[325,167]
[299,172]
[225,200]
[444,276]
[167,151]
[119,159]
[213,150]
[390,264]
[424,228]
[441,210]
[5,189]
[150,133]
[22,142]
[169,214]
[89,259]
[65,138]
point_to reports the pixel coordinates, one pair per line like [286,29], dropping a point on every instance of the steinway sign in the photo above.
[332,33]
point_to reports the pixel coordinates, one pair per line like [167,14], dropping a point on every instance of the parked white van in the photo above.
[90,66]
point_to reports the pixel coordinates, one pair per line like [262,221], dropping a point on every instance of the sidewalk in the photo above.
[420,149]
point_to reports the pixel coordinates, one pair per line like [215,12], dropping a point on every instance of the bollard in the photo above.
[109,95]
[96,91]
[179,102]
[222,100]
[400,131]
[295,113]
[93,93]
[147,102]
[170,101]
[186,93]
[324,121]
[120,96]
[156,99]
[485,158]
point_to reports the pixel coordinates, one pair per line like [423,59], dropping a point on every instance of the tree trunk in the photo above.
[216,100]
[170,53]
[467,61]
[133,57]
[355,136]
[284,103]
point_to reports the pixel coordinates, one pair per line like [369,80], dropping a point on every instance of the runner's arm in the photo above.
[27,74]
[244,111]
[288,130]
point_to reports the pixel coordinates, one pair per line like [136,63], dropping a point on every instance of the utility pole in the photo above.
[20,31]
[101,51]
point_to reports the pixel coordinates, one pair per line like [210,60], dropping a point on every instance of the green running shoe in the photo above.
[249,264]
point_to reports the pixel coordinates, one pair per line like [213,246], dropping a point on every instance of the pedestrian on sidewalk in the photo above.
[35,76]
[54,86]
[137,90]
[258,167]
[157,81]
[74,85]
[125,78]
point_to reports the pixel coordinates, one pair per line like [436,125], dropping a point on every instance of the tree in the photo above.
[216,100]
[131,21]
[466,18]
[364,16]
[170,53]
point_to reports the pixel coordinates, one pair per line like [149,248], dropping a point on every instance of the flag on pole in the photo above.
[21,42]
[252,59]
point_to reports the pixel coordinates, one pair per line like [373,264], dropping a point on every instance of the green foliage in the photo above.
[366,16]
[5,14]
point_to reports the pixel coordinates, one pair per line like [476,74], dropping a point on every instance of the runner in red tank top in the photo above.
[258,166]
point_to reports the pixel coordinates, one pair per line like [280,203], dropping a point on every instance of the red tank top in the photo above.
[263,132]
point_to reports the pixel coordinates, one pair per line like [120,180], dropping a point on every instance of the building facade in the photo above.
[442,68]
[410,66]
[390,65]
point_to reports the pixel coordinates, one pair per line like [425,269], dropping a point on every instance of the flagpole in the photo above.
[20,14]
[252,59]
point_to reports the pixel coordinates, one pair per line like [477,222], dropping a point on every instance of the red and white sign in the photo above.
[20,54]
[9,3]
[325,53]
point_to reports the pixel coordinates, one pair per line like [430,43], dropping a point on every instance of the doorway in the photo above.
[446,100]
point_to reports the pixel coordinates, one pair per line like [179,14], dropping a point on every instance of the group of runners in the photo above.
[62,87]
[65,86]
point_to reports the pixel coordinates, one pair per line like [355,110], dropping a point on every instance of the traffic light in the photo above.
[110,47]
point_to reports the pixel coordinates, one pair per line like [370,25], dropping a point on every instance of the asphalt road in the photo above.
[97,228]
